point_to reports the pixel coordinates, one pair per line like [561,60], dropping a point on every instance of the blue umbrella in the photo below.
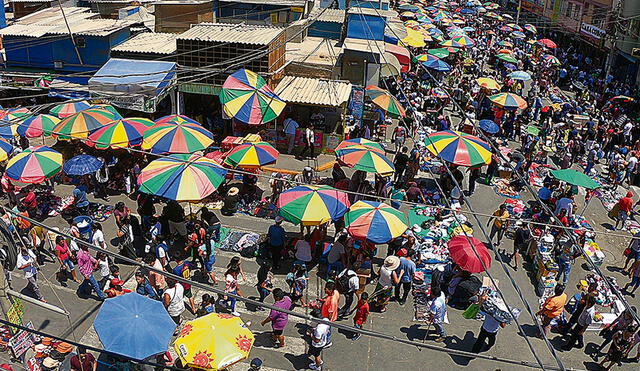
[82,165]
[467,11]
[134,326]
[520,75]
[510,66]
[488,126]
[518,35]
[468,29]
[437,65]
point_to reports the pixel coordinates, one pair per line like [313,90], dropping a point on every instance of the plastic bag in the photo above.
[471,312]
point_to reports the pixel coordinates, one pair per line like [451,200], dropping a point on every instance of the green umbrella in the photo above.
[507,58]
[439,52]
[576,178]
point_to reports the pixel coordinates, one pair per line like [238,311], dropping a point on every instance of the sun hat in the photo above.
[233,191]
[391,262]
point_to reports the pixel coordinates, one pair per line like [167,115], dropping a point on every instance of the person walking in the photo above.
[265,282]
[552,308]
[320,339]
[278,319]
[622,341]
[308,139]
[625,207]
[86,265]
[405,270]
[173,300]
[634,274]
[400,162]
[585,319]
[362,313]
[290,127]
[26,262]
[488,331]
[330,302]
[624,320]
[276,236]
[65,256]
[231,287]
[349,285]
[388,278]
[437,312]
[500,223]
[632,252]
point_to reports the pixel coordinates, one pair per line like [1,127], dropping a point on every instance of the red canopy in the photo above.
[462,253]
[548,43]
[403,55]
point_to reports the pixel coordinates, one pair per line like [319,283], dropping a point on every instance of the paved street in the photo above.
[367,353]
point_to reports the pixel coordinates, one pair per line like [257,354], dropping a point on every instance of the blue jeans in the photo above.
[589,167]
[565,268]
[231,300]
[263,294]
[69,264]
[91,281]
[440,329]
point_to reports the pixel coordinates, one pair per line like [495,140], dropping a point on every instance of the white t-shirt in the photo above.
[354,281]
[633,160]
[438,309]
[176,296]
[321,332]
[385,277]
[98,239]
[303,251]
[627,128]
[103,266]
[31,270]
[334,254]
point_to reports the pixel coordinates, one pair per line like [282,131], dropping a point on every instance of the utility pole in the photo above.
[613,29]
[73,40]
[5,304]
[518,11]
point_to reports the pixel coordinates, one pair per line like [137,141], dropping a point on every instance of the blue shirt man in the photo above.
[80,196]
[409,268]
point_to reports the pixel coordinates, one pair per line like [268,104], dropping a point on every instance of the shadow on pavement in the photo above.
[465,344]
[299,362]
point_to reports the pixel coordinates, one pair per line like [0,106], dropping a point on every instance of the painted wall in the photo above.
[328,30]
[256,12]
[367,27]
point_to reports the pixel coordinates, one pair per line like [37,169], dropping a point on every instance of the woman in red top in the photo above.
[362,312]
[625,205]
[64,257]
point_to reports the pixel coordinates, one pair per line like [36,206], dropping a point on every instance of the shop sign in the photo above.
[592,31]
[194,88]
[16,312]
[22,341]
[332,142]
[356,105]
[297,9]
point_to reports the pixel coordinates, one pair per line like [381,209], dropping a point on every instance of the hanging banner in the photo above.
[356,104]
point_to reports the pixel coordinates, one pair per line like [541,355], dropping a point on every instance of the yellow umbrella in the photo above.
[414,38]
[214,342]
[488,83]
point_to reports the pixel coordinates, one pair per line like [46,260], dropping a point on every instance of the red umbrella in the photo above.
[548,43]
[462,253]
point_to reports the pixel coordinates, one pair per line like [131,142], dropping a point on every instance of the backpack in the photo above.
[164,247]
[343,281]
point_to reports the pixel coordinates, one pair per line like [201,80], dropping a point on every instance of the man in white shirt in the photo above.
[308,139]
[290,127]
[437,312]
[632,162]
[349,284]
[26,262]
[320,339]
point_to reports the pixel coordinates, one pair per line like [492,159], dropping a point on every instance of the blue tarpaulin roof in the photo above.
[138,77]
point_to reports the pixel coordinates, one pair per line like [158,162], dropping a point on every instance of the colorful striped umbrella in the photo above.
[375,146]
[69,109]
[311,205]
[439,52]
[121,133]
[518,34]
[426,57]
[439,93]
[5,149]
[508,101]
[181,177]
[531,28]
[38,125]
[459,148]
[504,51]
[505,28]
[377,222]
[109,108]
[465,41]
[515,26]
[507,58]
[83,123]
[364,158]
[385,100]
[488,83]
[520,75]
[252,155]
[437,65]
[34,165]
[246,97]
[506,44]
[621,98]
[551,59]
[9,120]
[176,134]
[451,43]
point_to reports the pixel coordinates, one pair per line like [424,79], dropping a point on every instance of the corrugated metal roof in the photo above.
[25,30]
[51,15]
[84,27]
[372,12]
[366,46]
[268,2]
[232,33]
[31,1]
[321,92]
[149,42]
[329,15]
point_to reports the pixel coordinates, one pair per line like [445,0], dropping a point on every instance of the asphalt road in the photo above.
[367,353]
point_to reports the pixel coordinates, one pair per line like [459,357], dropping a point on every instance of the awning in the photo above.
[391,65]
[69,87]
[134,84]
[312,91]
[402,54]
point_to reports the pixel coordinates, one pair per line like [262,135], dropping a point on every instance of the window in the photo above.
[576,12]
[569,10]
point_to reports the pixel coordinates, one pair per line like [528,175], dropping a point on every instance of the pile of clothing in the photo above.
[421,301]
[605,296]
[495,306]
[608,197]
[504,188]
[537,173]
[240,242]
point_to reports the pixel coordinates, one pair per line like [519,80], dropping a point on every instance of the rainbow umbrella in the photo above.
[246,97]
[214,342]
[377,222]
[506,44]
[439,52]
[109,108]
[514,26]
[364,158]
[425,58]
[375,146]
[531,28]
[5,149]
[121,133]
[621,98]
[459,148]
[507,58]
[34,165]
[181,177]
[451,44]
[176,134]
[311,205]
[488,83]
[385,100]
[508,101]
[439,93]
[505,28]
[518,34]
[38,125]
[69,109]
[252,155]
[9,120]
[83,123]
[551,59]
[464,41]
